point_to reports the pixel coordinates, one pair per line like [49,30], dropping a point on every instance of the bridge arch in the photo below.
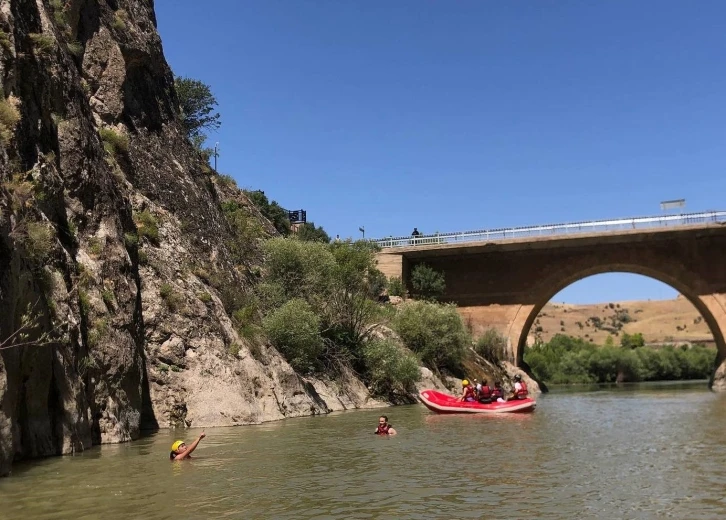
[711,308]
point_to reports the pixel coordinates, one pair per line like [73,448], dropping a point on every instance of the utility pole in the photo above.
[216,154]
[362,230]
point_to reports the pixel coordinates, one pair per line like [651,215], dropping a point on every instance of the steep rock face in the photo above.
[113,243]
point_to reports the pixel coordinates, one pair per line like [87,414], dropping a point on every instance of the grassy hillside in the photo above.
[660,321]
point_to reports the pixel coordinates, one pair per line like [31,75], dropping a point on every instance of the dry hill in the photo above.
[660,321]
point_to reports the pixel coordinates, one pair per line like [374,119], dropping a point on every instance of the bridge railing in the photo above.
[593,226]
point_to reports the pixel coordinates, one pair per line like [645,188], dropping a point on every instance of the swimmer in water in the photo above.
[180,451]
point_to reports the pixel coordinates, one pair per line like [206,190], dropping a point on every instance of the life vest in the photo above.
[522,392]
[497,392]
[485,392]
[469,393]
[383,429]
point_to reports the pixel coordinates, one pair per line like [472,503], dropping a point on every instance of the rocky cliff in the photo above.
[114,252]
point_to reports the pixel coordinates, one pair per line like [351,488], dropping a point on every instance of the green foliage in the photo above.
[302,270]
[228,181]
[272,211]
[9,118]
[114,142]
[395,286]
[147,225]
[108,298]
[84,302]
[171,298]
[234,349]
[294,329]
[36,240]
[120,18]
[43,44]
[75,48]
[198,108]
[131,240]
[390,368]
[204,297]
[309,233]
[245,233]
[5,42]
[492,346]
[632,340]
[427,283]
[435,332]
[566,360]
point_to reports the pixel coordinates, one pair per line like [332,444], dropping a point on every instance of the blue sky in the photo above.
[464,115]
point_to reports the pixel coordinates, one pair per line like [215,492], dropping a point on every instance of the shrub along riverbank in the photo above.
[568,360]
[317,304]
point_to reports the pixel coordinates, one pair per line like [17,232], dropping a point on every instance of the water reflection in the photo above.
[643,451]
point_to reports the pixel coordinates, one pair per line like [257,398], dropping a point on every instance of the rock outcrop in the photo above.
[115,261]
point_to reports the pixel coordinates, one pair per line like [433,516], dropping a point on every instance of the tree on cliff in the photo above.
[198,108]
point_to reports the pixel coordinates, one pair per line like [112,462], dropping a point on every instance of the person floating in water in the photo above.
[520,388]
[468,391]
[384,427]
[180,451]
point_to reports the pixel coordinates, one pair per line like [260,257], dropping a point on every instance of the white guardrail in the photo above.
[594,226]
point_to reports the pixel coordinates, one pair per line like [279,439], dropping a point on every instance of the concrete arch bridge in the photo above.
[510,274]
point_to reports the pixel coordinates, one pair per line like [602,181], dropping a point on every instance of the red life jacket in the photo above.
[485,392]
[383,429]
[522,392]
[469,392]
[496,392]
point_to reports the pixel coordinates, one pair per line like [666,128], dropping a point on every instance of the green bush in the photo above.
[171,298]
[114,142]
[571,360]
[246,231]
[395,286]
[272,211]
[433,331]
[9,118]
[37,241]
[5,42]
[294,329]
[390,368]
[131,240]
[492,346]
[43,44]
[147,225]
[427,283]
[303,270]
[75,48]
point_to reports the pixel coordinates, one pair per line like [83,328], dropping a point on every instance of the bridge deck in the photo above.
[595,227]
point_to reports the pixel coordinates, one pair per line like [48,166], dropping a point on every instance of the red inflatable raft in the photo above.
[440,402]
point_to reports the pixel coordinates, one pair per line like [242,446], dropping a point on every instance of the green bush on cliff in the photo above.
[246,231]
[427,283]
[492,346]
[272,211]
[294,329]
[390,368]
[433,331]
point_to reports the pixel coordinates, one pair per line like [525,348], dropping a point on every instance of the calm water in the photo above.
[645,451]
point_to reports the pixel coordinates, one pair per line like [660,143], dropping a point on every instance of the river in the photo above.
[635,451]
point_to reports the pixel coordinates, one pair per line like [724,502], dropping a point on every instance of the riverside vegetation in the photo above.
[140,289]
[565,360]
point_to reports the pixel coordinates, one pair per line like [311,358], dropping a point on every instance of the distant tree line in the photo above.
[566,360]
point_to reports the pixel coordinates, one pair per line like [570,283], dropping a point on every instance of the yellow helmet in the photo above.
[465,382]
[176,445]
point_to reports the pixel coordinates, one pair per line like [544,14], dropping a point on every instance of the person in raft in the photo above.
[384,427]
[468,391]
[485,393]
[497,392]
[520,388]
[180,451]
